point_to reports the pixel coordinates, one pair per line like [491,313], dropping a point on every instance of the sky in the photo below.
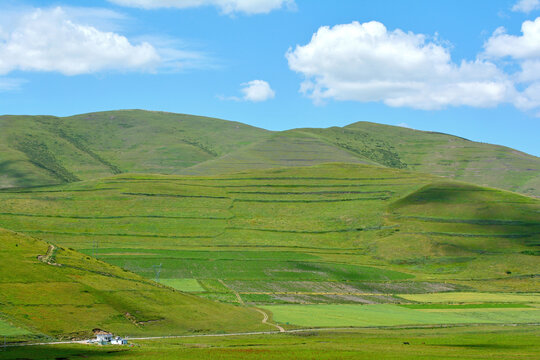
[468,68]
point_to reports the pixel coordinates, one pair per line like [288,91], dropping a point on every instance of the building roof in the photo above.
[101,332]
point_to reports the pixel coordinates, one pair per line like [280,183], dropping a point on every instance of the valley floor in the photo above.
[471,342]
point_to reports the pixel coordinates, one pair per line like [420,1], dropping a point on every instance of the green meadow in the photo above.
[477,342]
[333,245]
[343,315]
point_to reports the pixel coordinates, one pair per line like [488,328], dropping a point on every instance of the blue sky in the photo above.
[460,67]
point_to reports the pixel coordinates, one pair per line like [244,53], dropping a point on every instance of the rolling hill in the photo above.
[48,291]
[45,150]
[333,233]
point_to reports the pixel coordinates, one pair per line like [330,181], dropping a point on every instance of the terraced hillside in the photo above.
[336,233]
[44,150]
[439,154]
[48,291]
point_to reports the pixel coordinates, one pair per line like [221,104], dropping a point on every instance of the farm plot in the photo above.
[471,297]
[186,285]
[253,269]
[395,315]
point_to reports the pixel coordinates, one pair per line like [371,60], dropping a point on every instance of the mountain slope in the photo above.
[41,150]
[284,149]
[50,291]
[44,150]
[440,154]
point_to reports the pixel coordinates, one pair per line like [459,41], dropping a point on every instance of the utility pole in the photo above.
[157,271]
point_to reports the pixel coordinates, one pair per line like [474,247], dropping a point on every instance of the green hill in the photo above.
[53,291]
[334,233]
[42,150]
[440,154]
[45,150]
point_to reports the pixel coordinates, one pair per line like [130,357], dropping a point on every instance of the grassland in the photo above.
[44,150]
[482,342]
[335,235]
[66,294]
[342,315]
[334,245]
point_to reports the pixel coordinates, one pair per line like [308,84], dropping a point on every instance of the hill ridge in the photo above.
[45,150]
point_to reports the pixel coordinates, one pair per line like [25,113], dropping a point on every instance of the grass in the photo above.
[464,297]
[303,238]
[8,330]
[484,342]
[75,294]
[97,145]
[186,285]
[343,315]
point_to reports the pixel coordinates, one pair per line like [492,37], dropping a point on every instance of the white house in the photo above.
[106,338]
[103,337]
[119,341]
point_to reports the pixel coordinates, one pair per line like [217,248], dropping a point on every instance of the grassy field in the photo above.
[185,285]
[467,297]
[290,240]
[8,330]
[484,342]
[343,315]
[43,150]
[67,294]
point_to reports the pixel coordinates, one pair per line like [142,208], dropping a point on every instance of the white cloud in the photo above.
[9,84]
[254,91]
[529,99]
[523,51]
[526,6]
[366,62]
[48,40]
[226,6]
[257,91]
[526,46]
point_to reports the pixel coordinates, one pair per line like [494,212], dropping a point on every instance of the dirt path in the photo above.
[265,321]
[48,258]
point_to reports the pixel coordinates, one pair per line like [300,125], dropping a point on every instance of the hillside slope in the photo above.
[439,154]
[47,291]
[334,232]
[42,150]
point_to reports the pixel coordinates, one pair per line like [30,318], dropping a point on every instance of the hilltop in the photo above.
[45,150]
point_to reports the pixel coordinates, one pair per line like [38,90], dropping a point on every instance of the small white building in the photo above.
[106,338]
[103,337]
[119,341]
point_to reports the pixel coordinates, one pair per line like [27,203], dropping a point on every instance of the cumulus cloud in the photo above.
[523,51]
[254,91]
[526,46]
[48,40]
[257,91]
[526,6]
[366,62]
[226,6]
